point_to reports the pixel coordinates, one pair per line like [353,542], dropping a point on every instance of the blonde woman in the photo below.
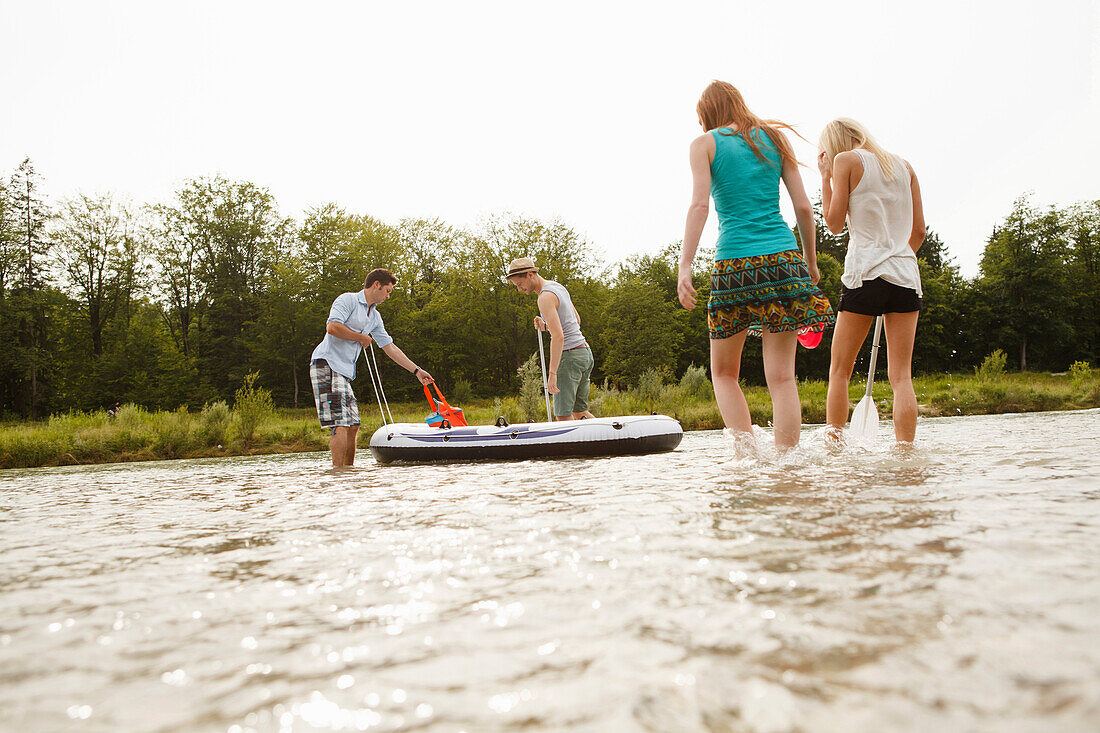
[761,284]
[878,194]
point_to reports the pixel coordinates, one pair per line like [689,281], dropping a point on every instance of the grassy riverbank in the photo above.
[137,435]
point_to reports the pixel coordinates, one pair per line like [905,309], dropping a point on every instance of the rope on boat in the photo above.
[379,393]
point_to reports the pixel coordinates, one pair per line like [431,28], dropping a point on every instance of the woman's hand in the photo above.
[824,165]
[815,275]
[685,291]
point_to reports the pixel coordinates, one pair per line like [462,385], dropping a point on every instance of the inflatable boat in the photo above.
[602,436]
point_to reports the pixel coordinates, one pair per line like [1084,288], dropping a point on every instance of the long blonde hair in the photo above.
[844,134]
[722,105]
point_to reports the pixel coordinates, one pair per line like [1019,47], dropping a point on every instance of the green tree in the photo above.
[1023,274]
[99,251]
[10,248]
[338,249]
[934,252]
[1083,231]
[335,252]
[643,329]
[470,324]
[288,327]
[834,245]
[941,330]
[178,246]
[27,319]
[219,243]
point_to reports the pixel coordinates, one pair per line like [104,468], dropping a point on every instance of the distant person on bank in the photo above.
[760,283]
[353,322]
[877,194]
[570,358]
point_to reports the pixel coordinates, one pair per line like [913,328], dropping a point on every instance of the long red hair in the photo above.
[721,105]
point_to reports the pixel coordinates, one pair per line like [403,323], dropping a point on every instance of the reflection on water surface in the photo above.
[953,588]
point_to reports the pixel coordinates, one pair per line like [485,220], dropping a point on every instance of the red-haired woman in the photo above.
[761,284]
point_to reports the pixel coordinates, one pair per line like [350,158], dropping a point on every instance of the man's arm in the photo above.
[548,307]
[338,316]
[340,331]
[406,363]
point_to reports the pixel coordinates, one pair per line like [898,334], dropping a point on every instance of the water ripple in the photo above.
[951,586]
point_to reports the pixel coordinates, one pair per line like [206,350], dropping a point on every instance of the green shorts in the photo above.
[573,374]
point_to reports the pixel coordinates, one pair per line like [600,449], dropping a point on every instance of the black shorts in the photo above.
[877,296]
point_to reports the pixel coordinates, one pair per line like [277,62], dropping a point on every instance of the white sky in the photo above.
[582,110]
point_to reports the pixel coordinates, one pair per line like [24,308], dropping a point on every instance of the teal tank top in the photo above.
[746,197]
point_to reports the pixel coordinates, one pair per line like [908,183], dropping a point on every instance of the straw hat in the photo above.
[521,267]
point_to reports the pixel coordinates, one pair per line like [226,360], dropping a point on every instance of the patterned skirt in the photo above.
[767,291]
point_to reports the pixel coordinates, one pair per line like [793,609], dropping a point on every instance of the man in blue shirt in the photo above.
[353,322]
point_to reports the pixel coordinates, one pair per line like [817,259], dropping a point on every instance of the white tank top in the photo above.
[570,329]
[880,220]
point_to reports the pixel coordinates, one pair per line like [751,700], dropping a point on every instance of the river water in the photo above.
[954,588]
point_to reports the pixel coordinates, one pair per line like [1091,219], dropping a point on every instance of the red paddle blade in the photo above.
[809,339]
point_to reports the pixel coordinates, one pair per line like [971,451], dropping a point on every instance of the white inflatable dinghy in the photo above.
[602,436]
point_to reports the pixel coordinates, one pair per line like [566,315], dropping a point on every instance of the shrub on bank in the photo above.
[461,392]
[695,382]
[1081,373]
[214,422]
[532,403]
[650,385]
[506,407]
[252,407]
[992,368]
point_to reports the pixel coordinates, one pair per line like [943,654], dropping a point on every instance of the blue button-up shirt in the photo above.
[352,310]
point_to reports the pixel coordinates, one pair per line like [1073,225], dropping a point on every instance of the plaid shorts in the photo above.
[336,403]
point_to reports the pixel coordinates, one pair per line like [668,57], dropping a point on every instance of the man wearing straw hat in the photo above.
[570,358]
[353,322]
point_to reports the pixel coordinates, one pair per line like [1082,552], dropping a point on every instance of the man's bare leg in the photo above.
[349,447]
[342,445]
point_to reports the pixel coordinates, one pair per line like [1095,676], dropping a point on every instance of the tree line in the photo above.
[175,303]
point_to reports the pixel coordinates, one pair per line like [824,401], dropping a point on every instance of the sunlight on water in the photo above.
[950,586]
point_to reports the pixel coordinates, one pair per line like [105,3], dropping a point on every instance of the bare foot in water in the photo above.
[904,449]
[834,439]
[744,444]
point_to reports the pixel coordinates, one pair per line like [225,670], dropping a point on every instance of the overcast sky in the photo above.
[579,110]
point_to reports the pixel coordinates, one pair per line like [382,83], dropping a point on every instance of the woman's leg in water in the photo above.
[848,337]
[779,352]
[725,370]
[901,331]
